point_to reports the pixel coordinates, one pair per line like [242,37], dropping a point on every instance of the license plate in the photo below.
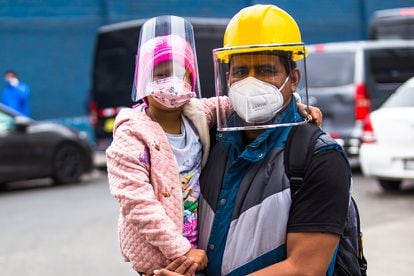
[409,164]
[109,125]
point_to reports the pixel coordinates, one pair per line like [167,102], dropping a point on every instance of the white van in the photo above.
[347,80]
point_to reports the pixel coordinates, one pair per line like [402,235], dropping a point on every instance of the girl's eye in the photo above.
[160,75]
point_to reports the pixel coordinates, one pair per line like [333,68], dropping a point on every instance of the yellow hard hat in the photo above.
[261,28]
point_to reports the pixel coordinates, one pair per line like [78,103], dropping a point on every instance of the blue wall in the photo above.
[50,42]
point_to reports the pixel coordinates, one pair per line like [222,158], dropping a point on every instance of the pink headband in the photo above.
[161,49]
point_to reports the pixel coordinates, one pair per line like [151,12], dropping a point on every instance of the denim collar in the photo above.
[258,148]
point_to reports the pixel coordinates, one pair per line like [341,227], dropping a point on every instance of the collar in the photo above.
[270,138]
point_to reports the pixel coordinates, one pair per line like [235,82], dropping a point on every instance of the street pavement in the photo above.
[387,220]
[70,230]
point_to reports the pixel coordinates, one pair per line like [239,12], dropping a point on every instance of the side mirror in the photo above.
[21,123]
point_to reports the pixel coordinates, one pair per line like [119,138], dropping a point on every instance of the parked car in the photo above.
[387,151]
[347,80]
[395,23]
[31,149]
[113,70]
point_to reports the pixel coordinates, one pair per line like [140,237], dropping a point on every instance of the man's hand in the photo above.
[199,256]
[182,266]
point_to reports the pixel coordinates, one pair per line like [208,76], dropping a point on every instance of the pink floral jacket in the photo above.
[144,177]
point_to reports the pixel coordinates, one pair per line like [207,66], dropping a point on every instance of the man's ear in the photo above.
[295,78]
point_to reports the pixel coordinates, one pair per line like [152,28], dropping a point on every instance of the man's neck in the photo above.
[250,135]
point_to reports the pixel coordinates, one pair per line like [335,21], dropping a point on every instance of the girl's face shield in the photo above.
[166,49]
[259,84]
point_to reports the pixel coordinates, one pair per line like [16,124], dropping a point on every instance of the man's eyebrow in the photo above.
[239,66]
[265,65]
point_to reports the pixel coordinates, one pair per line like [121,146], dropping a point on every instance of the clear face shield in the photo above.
[166,62]
[260,81]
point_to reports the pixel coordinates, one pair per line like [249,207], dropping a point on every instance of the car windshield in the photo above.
[402,98]
[321,65]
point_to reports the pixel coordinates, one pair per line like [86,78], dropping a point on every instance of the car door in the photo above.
[19,159]
[332,88]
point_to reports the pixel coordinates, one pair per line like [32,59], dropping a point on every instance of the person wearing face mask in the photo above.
[159,148]
[15,93]
[249,221]
[156,155]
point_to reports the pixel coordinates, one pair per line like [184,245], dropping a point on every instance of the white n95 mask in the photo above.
[256,101]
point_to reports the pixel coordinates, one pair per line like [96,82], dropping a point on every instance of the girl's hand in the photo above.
[315,114]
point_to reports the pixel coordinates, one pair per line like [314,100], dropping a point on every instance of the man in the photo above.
[250,223]
[15,93]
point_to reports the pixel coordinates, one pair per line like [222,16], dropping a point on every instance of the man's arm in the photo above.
[308,253]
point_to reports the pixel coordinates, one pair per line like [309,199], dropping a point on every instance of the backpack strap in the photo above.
[363,265]
[298,153]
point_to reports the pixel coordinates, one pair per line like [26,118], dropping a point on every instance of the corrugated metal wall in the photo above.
[50,42]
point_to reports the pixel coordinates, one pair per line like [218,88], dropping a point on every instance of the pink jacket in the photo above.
[144,177]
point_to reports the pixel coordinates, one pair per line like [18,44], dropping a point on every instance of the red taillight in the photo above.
[334,135]
[108,111]
[368,136]
[93,113]
[362,102]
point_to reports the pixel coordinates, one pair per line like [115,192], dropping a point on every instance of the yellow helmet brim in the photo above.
[298,51]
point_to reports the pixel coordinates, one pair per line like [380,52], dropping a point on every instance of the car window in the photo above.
[328,69]
[6,121]
[386,70]
[402,98]
[391,65]
[113,70]
[106,77]
[393,24]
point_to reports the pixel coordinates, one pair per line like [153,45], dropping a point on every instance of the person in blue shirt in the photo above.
[15,93]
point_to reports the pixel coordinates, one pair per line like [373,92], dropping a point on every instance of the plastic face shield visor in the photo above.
[166,49]
[259,68]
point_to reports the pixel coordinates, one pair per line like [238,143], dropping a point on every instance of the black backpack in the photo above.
[350,258]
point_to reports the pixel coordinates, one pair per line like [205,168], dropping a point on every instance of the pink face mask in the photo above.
[171,92]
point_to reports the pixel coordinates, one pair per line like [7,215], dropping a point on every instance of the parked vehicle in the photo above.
[347,80]
[387,151]
[392,24]
[113,70]
[30,149]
